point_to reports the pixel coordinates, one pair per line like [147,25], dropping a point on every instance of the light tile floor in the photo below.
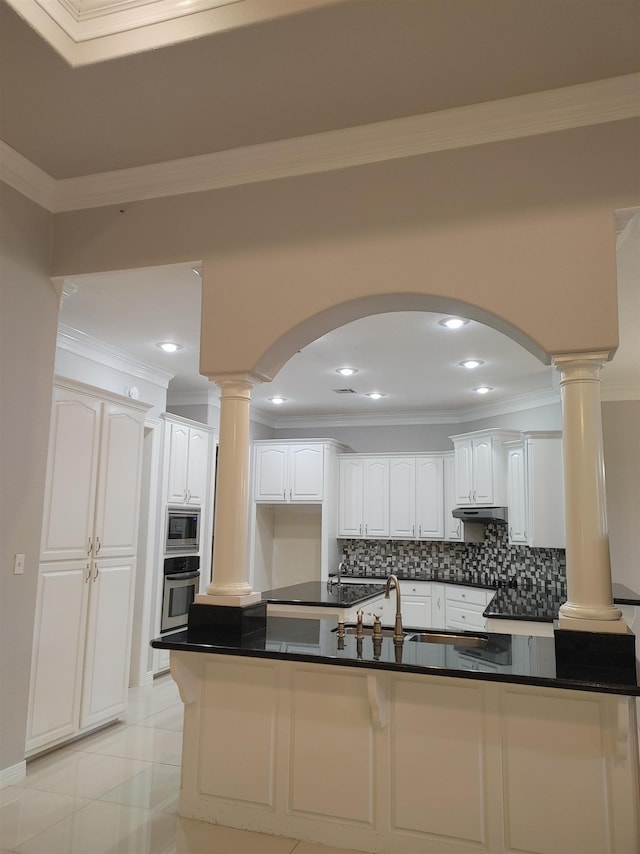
[116,792]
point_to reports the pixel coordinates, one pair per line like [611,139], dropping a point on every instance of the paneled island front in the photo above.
[395,746]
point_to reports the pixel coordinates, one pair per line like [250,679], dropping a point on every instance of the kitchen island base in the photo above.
[401,763]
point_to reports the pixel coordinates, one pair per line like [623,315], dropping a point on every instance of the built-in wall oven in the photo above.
[182,530]
[181,583]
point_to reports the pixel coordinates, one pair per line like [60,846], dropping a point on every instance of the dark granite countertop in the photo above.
[521,603]
[319,594]
[500,658]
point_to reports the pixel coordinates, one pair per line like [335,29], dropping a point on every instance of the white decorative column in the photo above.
[230,585]
[589,606]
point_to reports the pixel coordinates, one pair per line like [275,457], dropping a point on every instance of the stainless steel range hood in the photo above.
[481,515]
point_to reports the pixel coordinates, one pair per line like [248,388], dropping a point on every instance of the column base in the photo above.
[206,622]
[594,655]
[239,600]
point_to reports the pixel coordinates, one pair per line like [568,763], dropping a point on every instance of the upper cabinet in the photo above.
[391,496]
[93,477]
[416,497]
[536,490]
[481,467]
[187,463]
[288,472]
[363,496]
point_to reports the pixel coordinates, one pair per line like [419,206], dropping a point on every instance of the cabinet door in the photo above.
[177,463]
[58,652]
[483,480]
[271,479]
[306,473]
[72,466]
[376,498]
[430,498]
[402,498]
[350,493]
[463,454]
[118,495]
[416,612]
[197,467]
[452,526]
[516,494]
[108,645]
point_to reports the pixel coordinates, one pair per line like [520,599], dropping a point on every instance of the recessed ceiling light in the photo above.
[454,322]
[471,363]
[483,389]
[277,400]
[375,395]
[346,372]
[169,346]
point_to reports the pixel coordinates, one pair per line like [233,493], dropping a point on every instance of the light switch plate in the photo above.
[18,565]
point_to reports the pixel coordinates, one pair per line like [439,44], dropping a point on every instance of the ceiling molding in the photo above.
[510,118]
[611,393]
[27,178]
[81,344]
[85,32]
[517,403]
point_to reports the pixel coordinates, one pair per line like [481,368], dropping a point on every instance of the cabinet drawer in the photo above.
[465,617]
[418,588]
[467,596]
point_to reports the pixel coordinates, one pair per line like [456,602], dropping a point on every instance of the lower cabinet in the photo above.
[80,660]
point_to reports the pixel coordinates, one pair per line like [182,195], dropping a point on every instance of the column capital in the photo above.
[239,378]
[587,363]
[235,385]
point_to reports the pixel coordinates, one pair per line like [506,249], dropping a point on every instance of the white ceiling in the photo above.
[408,356]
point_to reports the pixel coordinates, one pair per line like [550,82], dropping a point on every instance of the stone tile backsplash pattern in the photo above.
[493,562]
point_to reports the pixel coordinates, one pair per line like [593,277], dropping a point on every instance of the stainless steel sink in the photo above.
[453,639]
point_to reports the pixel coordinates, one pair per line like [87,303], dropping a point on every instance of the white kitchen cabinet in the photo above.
[480,467]
[536,490]
[516,491]
[82,630]
[288,472]
[187,463]
[107,647]
[455,530]
[363,497]
[416,497]
[464,608]
[416,604]
[58,652]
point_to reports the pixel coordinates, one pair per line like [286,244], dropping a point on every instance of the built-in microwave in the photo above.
[183,529]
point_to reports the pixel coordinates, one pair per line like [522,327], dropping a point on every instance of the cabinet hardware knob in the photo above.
[366,530]
[89,546]
[98,544]
[95,575]
[88,571]
[413,530]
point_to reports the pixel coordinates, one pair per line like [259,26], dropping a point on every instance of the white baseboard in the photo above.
[145,679]
[14,774]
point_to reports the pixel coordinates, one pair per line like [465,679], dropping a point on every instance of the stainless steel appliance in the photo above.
[181,582]
[182,530]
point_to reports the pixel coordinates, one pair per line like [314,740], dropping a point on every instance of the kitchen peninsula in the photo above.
[396,747]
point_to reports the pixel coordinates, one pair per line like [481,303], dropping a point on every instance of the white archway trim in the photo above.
[279,353]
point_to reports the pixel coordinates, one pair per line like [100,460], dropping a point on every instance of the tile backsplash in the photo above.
[493,562]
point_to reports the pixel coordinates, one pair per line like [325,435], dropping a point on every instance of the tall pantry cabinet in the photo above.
[84,604]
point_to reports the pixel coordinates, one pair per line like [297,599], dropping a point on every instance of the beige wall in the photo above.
[621,434]
[521,232]
[28,324]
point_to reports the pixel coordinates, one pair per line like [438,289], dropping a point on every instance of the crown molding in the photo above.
[517,403]
[27,178]
[609,393]
[84,32]
[81,344]
[494,121]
